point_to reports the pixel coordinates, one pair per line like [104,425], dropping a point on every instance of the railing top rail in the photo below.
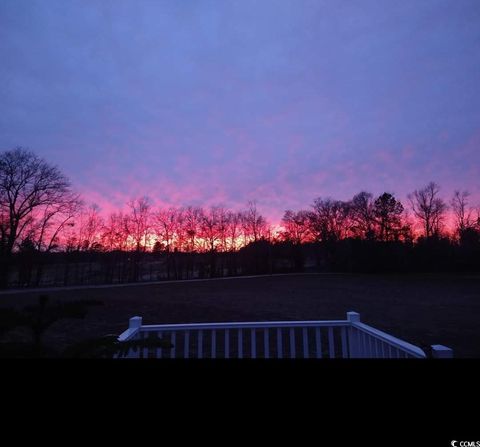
[352,321]
[405,346]
[129,333]
[243,325]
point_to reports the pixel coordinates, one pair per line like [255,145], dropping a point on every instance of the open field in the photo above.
[424,310]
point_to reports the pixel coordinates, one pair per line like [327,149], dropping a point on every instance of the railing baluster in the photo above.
[186,345]
[279,343]
[145,350]
[374,348]
[174,343]
[240,344]
[318,343]
[292,343]
[382,349]
[367,345]
[390,352]
[331,346]
[253,344]
[364,345]
[159,350]
[343,332]
[214,344]
[200,344]
[358,344]
[266,348]
[305,343]
[227,343]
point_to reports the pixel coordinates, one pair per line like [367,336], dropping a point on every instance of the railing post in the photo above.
[441,352]
[135,323]
[353,317]
[353,342]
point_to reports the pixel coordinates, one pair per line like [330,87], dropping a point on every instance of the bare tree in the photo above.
[209,228]
[192,218]
[233,229]
[180,231]
[329,219]
[223,217]
[429,208]
[138,222]
[4,229]
[362,215]
[114,235]
[211,234]
[462,212]
[30,189]
[166,221]
[254,224]
[296,226]
[52,221]
[90,227]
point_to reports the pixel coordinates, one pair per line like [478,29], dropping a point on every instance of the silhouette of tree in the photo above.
[139,222]
[254,224]
[30,190]
[429,209]
[90,225]
[462,212]
[38,319]
[166,222]
[388,211]
[223,217]
[209,228]
[296,226]
[234,223]
[108,346]
[328,221]
[362,215]
[192,218]
[34,197]
[114,233]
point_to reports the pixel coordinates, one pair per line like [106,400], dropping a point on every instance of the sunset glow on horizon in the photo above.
[278,102]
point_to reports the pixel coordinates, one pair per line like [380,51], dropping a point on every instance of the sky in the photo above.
[221,102]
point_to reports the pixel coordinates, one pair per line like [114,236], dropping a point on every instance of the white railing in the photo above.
[274,339]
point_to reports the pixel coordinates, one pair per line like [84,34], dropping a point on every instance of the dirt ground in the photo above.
[423,310]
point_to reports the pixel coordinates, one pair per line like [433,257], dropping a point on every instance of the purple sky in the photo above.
[206,102]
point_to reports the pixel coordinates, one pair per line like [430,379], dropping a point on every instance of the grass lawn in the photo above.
[423,310]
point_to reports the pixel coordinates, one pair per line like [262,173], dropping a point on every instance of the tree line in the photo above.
[384,218]
[41,213]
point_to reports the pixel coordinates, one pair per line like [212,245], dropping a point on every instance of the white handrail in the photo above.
[243,325]
[128,334]
[394,341]
[352,322]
